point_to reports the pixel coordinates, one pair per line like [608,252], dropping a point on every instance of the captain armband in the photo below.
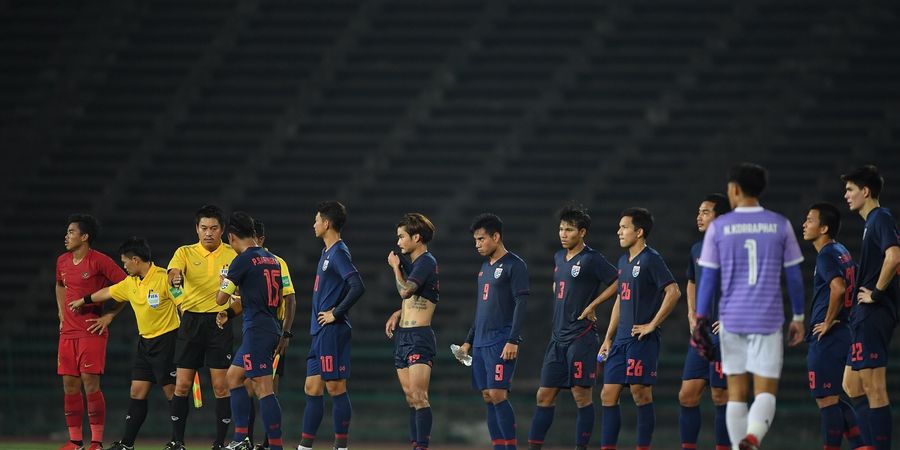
[228,286]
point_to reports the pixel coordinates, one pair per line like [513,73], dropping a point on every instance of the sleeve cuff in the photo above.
[793,262]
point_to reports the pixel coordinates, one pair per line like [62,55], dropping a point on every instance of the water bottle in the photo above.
[601,357]
[461,356]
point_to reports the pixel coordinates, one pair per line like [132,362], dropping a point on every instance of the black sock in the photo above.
[223,418]
[78,443]
[137,412]
[252,420]
[179,417]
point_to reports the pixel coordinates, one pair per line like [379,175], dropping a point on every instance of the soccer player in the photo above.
[285,316]
[199,269]
[146,288]
[414,345]
[337,288]
[496,334]
[699,371]
[80,271]
[582,280]
[746,250]
[647,293]
[873,319]
[257,273]
[829,335]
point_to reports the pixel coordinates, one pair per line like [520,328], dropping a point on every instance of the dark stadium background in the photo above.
[141,111]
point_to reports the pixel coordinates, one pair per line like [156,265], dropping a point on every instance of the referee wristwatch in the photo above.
[287,334]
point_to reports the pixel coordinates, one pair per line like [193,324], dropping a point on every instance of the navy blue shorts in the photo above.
[825,361]
[870,338]
[632,361]
[414,345]
[256,352]
[329,353]
[568,364]
[489,370]
[697,367]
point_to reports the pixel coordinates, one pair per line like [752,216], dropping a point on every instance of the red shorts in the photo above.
[81,355]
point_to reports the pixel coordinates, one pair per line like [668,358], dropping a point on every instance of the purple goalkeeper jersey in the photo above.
[750,246]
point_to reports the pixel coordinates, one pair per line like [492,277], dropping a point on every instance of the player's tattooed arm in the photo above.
[405,287]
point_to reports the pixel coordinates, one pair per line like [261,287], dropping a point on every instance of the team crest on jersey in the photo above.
[576,269]
[325,265]
[85,275]
[497,272]
[635,271]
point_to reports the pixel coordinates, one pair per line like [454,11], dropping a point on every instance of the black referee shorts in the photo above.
[154,360]
[202,343]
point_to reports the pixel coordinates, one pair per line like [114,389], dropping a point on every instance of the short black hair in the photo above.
[752,178]
[576,215]
[334,212]
[240,224]
[866,177]
[490,222]
[210,212]
[640,218]
[830,216]
[87,224]
[259,228]
[720,203]
[417,223]
[136,246]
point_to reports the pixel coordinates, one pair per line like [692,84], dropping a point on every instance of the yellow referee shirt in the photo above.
[201,271]
[287,287]
[153,305]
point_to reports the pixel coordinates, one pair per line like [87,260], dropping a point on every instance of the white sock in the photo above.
[736,420]
[762,412]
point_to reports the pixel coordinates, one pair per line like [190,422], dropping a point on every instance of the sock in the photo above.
[880,423]
[74,410]
[540,424]
[832,427]
[722,428]
[179,417]
[646,422]
[137,412]
[413,434]
[312,418]
[497,440]
[861,406]
[689,426]
[584,425]
[506,420]
[270,410]
[761,414]
[341,412]
[423,427]
[251,420]
[240,408]
[223,416]
[610,424]
[851,429]
[736,418]
[96,406]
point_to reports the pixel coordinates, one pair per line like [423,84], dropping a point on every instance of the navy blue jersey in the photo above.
[576,283]
[258,275]
[500,286]
[641,283]
[833,261]
[424,272]
[694,272]
[334,269]
[879,235]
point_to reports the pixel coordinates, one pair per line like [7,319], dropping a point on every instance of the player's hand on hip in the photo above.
[510,351]
[588,314]
[393,260]
[641,331]
[99,324]
[864,296]
[391,324]
[221,319]
[326,317]
[795,333]
[821,328]
[76,305]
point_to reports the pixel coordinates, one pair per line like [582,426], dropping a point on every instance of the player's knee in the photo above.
[719,396]
[486,396]
[609,396]
[545,398]
[420,399]
[824,402]
[688,396]
[71,385]
[641,394]
[313,387]
[335,388]
[582,397]
[497,395]
[91,383]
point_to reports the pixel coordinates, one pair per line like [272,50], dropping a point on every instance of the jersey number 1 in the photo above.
[750,245]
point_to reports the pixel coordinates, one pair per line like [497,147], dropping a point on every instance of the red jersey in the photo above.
[96,271]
